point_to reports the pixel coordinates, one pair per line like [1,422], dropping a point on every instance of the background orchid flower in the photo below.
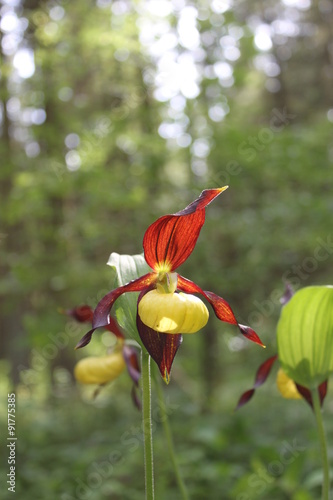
[287,387]
[103,369]
[305,350]
[305,345]
[100,369]
[166,307]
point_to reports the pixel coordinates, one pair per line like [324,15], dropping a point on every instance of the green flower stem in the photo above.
[323,443]
[147,425]
[168,435]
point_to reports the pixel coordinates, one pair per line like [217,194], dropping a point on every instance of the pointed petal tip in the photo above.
[245,398]
[85,340]
[166,377]
[172,238]
[322,388]
[250,334]
[306,393]
[78,346]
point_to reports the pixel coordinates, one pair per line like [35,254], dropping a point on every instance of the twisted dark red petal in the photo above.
[306,393]
[171,239]
[245,398]
[85,314]
[263,371]
[131,359]
[102,311]
[261,376]
[162,347]
[221,308]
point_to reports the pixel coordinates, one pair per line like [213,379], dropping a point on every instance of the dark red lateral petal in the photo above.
[171,239]
[85,339]
[102,311]
[221,308]
[322,388]
[85,314]
[261,376]
[162,347]
[263,371]
[245,398]
[132,362]
[306,393]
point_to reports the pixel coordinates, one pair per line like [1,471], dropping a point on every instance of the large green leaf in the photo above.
[305,336]
[126,268]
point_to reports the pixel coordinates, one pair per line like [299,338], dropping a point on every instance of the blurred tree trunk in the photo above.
[12,302]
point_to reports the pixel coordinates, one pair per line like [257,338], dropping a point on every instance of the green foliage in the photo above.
[126,268]
[67,439]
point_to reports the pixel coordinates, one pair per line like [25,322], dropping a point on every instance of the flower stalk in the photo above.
[323,443]
[168,435]
[147,425]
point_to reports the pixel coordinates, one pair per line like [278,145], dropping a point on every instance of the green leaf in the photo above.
[305,336]
[127,268]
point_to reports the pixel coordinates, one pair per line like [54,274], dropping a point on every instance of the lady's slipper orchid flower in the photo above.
[305,342]
[166,307]
[103,369]
[287,387]
[100,369]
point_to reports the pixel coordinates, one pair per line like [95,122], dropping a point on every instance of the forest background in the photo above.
[114,113]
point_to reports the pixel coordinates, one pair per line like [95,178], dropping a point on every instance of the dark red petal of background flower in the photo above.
[135,398]
[83,314]
[245,398]
[263,371]
[114,328]
[131,359]
[172,238]
[322,388]
[102,311]
[261,376]
[306,393]
[162,347]
[288,293]
[221,307]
